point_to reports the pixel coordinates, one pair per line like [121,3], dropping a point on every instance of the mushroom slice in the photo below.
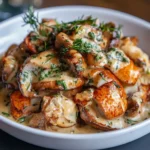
[9,70]
[98,76]
[59,111]
[11,61]
[47,74]
[23,106]
[65,81]
[35,42]
[45,26]
[136,102]
[129,46]
[111,100]
[63,40]
[90,114]
[122,67]
[45,59]
[97,59]
[37,121]
[76,62]
[90,32]
[128,74]
[84,97]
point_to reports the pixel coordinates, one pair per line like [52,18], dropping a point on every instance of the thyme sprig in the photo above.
[30,18]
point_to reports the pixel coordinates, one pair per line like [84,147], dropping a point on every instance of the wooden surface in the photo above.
[139,8]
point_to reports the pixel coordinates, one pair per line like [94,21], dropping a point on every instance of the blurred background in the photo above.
[139,8]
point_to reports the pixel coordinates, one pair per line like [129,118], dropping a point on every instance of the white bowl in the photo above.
[11,31]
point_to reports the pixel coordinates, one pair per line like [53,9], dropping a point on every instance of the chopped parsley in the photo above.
[116,84]
[131,122]
[82,46]
[22,119]
[50,56]
[90,81]
[62,83]
[109,123]
[98,57]
[118,55]
[5,114]
[79,67]
[53,71]
[91,35]
[25,75]
[63,50]
[106,27]
[102,75]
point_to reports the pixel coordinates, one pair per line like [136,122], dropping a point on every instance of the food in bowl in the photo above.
[82,76]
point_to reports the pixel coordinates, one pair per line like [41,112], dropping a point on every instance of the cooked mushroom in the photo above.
[124,68]
[37,121]
[59,111]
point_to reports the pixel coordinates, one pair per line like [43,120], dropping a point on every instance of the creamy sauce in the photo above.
[60,111]
[79,129]
[76,129]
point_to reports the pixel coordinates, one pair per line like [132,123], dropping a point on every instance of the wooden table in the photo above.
[139,8]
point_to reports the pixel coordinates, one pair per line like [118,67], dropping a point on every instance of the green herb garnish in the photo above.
[132,122]
[22,119]
[97,57]
[117,30]
[91,35]
[102,75]
[62,83]
[5,114]
[64,50]
[82,46]
[116,84]
[54,71]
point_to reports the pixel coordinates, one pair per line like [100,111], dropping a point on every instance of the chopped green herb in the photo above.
[90,81]
[64,50]
[33,38]
[97,57]
[25,75]
[34,56]
[62,83]
[5,114]
[28,86]
[22,119]
[91,35]
[109,123]
[118,55]
[81,46]
[53,71]
[49,57]
[132,122]
[79,67]
[102,75]
[105,27]
[116,84]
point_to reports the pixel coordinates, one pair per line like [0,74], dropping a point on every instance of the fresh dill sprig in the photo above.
[68,27]
[30,18]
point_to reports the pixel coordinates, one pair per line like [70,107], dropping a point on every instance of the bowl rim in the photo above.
[108,134]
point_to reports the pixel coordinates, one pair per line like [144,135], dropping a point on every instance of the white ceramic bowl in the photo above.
[11,31]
